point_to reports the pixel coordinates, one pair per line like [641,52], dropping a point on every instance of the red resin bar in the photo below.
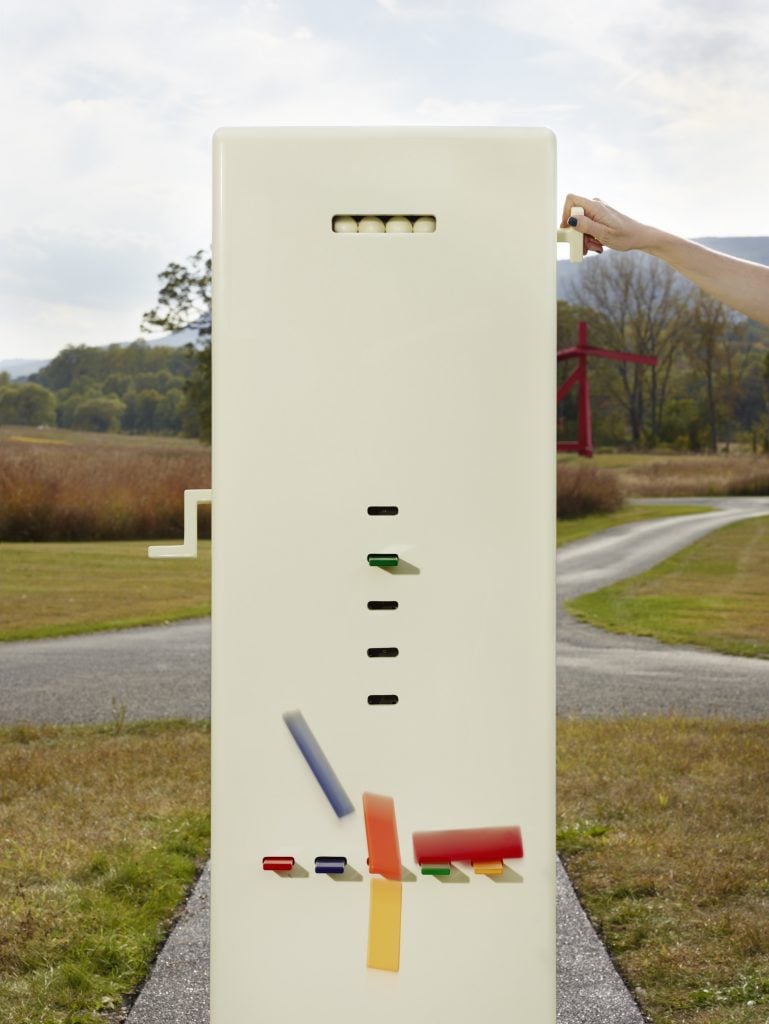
[277,863]
[384,855]
[473,844]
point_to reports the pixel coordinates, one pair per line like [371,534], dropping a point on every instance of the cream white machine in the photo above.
[383,581]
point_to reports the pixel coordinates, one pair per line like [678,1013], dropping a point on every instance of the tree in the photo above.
[27,404]
[634,303]
[184,303]
[719,355]
[98,413]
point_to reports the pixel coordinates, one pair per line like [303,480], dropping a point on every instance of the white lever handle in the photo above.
[573,237]
[188,549]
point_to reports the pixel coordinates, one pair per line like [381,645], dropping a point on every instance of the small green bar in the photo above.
[383,561]
[436,869]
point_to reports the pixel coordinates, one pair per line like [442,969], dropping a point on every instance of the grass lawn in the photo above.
[663,829]
[55,589]
[568,530]
[103,829]
[661,822]
[713,594]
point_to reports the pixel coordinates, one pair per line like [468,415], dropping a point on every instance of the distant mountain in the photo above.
[751,248]
[22,367]
[176,340]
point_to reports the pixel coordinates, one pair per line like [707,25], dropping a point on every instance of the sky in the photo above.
[660,107]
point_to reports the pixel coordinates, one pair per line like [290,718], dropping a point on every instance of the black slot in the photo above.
[383,698]
[382,652]
[383,510]
[382,606]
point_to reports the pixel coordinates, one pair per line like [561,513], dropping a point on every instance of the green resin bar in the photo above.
[383,561]
[436,869]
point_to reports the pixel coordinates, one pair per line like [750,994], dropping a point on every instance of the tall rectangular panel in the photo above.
[358,370]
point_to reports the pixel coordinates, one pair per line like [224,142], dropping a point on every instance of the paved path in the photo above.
[155,672]
[163,672]
[609,674]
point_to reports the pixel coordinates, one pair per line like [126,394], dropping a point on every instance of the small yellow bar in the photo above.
[488,867]
[384,925]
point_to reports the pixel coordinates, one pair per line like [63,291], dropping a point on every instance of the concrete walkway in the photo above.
[589,989]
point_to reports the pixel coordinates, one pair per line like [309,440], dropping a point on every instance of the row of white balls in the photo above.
[382,225]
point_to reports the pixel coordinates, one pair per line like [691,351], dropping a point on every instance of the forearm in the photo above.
[739,283]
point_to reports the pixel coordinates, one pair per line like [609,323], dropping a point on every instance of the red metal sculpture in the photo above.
[584,443]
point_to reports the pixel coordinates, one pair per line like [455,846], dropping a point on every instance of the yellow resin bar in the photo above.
[488,867]
[384,925]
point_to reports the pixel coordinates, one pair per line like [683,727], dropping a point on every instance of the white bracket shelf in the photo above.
[189,547]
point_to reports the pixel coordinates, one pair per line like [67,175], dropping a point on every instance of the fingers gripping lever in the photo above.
[573,237]
[189,548]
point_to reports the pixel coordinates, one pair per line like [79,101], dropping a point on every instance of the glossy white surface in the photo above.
[326,403]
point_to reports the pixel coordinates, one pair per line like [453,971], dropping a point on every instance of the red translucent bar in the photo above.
[384,855]
[277,863]
[473,844]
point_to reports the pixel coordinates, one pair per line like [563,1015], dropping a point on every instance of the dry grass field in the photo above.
[662,826]
[651,475]
[64,485]
[103,829]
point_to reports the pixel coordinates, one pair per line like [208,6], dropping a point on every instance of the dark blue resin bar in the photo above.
[318,762]
[330,865]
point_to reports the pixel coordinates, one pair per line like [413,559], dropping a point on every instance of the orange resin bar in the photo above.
[488,867]
[474,844]
[384,855]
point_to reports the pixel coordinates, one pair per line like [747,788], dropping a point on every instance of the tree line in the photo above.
[710,387]
[133,388]
[136,388]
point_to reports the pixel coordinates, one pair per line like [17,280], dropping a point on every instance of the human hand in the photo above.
[601,225]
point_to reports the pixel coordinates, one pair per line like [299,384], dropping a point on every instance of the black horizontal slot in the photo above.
[382,606]
[382,652]
[383,698]
[383,510]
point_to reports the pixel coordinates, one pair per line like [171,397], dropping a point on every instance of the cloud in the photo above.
[109,109]
[63,287]
[423,10]
[673,100]
[78,268]
[436,110]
